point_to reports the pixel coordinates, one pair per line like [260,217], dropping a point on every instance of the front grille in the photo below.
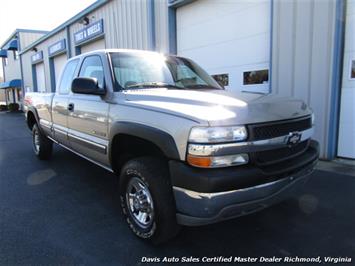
[277,129]
[264,158]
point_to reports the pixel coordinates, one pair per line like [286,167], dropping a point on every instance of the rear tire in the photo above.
[42,146]
[147,199]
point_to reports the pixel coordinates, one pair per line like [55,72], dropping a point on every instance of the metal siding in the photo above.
[26,38]
[161,26]
[125,24]
[303,33]
[12,69]
[27,71]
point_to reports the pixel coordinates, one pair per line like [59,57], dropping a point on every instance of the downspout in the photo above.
[151,25]
[68,43]
[21,72]
[3,74]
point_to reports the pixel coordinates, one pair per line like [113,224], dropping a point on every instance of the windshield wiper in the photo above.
[154,85]
[204,86]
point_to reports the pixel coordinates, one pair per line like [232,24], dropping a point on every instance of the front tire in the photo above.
[147,199]
[42,146]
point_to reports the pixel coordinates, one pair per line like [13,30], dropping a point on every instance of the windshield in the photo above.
[147,70]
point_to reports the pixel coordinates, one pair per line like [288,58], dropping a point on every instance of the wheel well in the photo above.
[126,147]
[31,120]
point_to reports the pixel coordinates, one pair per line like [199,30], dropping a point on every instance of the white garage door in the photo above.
[40,75]
[59,63]
[346,138]
[96,45]
[228,37]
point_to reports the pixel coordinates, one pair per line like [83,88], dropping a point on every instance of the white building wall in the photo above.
[12,69]
[26,38]
[302,56]
[27,71]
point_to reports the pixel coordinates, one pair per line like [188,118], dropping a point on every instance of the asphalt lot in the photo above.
[65,212]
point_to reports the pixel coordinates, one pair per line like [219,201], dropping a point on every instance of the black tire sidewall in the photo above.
[45,145]
[34,130]
[148,232]
[154,173]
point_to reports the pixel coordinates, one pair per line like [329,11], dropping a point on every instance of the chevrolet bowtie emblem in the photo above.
[294,138]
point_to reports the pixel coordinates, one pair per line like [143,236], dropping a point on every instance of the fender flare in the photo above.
[164,141]
[34,111]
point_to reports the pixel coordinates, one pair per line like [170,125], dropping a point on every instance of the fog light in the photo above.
[218,161]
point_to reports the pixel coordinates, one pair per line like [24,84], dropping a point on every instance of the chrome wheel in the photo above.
[36,141]
[140,202]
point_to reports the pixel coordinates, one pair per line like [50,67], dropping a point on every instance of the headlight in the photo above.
[202,155]
[217,134]
[313,117]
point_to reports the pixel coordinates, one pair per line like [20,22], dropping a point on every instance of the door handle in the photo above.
[71,107]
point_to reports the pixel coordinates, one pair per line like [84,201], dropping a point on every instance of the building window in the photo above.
[222,79]
[16,55]
[352,69]
[255,77]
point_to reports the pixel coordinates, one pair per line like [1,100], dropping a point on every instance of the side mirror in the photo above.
[87,86]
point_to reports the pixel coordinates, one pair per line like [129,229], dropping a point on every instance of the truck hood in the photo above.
[218,107]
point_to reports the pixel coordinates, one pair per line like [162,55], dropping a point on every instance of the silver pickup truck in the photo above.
[186,151]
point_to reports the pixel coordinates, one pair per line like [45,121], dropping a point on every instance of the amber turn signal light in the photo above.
[204,162]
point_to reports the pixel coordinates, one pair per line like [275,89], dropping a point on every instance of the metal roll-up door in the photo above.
[59,63]
[230,39]
[92,46]
[40,76]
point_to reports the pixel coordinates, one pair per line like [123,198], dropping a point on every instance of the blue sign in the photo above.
[57,48]
[89,32]
[37,57]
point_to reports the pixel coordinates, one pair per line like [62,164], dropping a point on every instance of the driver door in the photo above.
[88,115]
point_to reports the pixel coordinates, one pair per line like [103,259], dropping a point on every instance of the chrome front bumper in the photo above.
[195,208]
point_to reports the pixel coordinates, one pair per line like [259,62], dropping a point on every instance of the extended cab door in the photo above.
[60,103]
[88,116]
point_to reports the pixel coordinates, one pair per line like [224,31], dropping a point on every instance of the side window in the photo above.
[67,77]
[92,68]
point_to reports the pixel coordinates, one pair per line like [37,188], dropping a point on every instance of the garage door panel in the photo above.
[227,28]
[346,81]
[346,144]
[210,9]
[347,106]
[236,77]
[226,37]
[40,76]
[92,46]
[346,136]
[59,62]
[232,53]
[349,33]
